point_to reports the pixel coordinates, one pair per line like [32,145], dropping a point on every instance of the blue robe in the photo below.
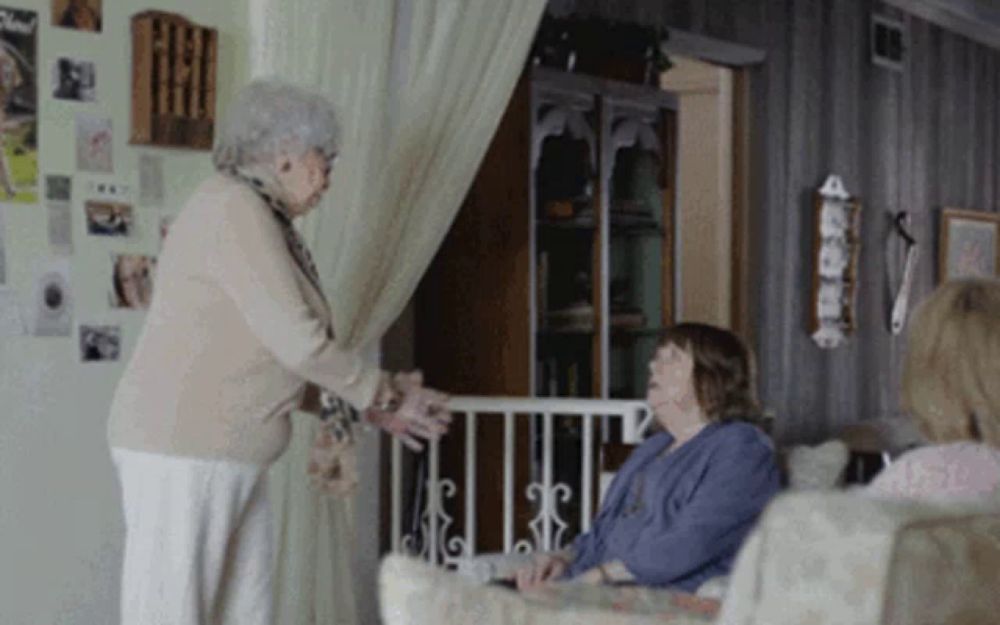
[678,520]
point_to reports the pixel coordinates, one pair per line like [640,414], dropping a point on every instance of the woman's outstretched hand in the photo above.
[421,412]
[544,568]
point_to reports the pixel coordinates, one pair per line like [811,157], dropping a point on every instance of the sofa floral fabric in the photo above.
[844,558]
[815,558]
[946,571]
[415,593]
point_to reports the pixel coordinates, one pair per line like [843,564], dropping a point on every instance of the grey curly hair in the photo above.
[269,116]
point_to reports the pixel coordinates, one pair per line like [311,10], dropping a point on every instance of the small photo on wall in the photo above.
[100,343]
[132,277]
[77,14]
[93,144]
[18,106]
[109,219]
[74,80]
[58,188]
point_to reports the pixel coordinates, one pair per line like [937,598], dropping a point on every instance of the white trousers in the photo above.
[198,541]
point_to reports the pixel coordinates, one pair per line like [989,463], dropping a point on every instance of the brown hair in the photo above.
[724,372]
[952,368]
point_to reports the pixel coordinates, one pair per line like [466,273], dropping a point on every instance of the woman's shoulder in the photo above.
[227,202]
[963,452]
[740,433]
[948,470]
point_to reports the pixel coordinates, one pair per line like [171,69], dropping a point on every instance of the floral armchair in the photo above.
[815,558]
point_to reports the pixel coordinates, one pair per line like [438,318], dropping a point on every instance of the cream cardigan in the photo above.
[234,331]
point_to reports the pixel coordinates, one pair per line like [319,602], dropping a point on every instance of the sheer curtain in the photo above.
[420,86]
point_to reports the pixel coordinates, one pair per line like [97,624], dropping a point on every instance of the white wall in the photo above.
[60,520]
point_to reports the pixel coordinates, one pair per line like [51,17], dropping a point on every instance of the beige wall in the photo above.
[705,189]
[60,519]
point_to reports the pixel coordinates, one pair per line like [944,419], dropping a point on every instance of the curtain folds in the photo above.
[420,86]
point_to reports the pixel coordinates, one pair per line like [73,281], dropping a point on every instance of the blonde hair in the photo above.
[951,376]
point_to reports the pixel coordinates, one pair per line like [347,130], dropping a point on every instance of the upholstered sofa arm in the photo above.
[490,566]
[835,558]
[412,592]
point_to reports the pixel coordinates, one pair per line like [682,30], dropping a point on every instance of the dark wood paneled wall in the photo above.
[917,140]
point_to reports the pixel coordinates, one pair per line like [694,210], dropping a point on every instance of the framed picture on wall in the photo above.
[970,244]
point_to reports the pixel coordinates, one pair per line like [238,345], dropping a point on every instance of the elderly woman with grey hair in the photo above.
[237,329]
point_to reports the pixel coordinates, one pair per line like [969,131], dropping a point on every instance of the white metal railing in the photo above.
[440,546]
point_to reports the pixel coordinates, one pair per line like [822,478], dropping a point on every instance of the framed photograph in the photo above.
[970,244]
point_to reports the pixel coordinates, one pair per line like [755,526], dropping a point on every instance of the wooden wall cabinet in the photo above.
[557,277]
[174,64]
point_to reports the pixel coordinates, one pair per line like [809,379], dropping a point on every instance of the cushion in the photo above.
[817,468]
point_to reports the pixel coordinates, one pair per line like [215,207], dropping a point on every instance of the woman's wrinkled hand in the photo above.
[545,568]
[422,412]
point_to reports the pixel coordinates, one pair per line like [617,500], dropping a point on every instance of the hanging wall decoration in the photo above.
[18,106]
[837,242]
[173,81]
[900,286]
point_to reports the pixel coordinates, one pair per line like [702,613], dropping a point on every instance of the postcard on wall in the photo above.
[109,219]
[93,144]
[132,277]
[77,14]
[11,319]
[58,188]
[60,228]
[150,179]
[18,106]
[74,80]
[52,305]
[100,343]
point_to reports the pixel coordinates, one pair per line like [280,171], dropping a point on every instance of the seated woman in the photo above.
[950,386]
[683,502]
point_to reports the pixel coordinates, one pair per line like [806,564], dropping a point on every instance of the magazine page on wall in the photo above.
[18,106]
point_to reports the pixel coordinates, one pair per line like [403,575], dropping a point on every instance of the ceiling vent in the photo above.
[888,42]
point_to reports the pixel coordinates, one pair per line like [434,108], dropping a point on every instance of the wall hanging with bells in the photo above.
[173,81]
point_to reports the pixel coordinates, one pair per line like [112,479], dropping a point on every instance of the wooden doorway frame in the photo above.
[745,61]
